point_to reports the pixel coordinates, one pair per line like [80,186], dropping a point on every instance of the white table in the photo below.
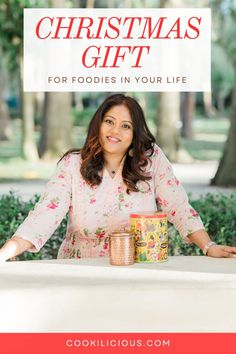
[185,294]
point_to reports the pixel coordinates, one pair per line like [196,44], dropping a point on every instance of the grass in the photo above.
[212,126]
[209,138]
[206,145]
[14,167]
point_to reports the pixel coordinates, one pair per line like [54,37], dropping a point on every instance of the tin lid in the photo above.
[149,214]
[121,234]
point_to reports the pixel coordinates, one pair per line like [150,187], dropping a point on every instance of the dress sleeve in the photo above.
[172,198]
[53,205]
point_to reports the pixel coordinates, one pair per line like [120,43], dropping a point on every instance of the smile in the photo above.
[113,140]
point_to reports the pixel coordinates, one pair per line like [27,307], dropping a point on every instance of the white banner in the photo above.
[117,49]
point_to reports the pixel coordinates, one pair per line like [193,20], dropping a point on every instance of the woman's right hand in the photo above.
[13,247]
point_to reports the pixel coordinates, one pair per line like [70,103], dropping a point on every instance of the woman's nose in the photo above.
[115,128]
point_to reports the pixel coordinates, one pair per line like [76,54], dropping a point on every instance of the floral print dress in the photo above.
[94,212]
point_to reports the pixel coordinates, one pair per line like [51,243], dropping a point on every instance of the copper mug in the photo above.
[121,248]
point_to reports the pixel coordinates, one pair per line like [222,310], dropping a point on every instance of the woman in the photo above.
[119,170]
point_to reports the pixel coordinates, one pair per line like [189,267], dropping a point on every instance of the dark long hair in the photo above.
[142,145]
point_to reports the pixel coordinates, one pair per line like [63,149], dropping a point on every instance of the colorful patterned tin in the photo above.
[151,236]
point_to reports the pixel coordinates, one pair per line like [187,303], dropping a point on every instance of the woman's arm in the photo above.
[201,239]
[173,199]
[46,215]
[13,248]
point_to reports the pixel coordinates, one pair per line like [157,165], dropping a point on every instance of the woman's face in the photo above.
[116,130]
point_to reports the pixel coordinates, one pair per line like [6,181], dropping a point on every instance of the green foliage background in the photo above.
[218,212]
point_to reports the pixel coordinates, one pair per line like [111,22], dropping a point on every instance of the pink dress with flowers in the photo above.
[96,211]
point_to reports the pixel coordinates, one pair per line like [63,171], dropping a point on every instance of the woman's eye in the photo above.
[108,121]
[126,126]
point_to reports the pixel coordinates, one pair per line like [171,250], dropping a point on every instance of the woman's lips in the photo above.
[113,139]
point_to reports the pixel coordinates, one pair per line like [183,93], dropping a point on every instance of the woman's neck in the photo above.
[112,161]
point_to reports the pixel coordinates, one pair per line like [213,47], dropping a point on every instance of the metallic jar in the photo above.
[151,236]
[121,248]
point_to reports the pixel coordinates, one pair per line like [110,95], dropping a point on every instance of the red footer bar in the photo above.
[60,343]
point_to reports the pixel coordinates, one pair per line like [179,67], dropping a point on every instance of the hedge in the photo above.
[218,212]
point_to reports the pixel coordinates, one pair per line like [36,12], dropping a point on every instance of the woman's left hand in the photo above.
[221,251]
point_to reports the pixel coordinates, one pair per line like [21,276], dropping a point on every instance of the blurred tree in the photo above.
[187,113]
[222,76]
[56,133]
[168,118]
[168,115]
[226,173]
[221,66]
[11,37]
[90,4]
[29,148]
[209,110]
[57,116]
[5,123]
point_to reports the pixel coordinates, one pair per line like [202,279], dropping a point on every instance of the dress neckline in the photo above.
[118,172]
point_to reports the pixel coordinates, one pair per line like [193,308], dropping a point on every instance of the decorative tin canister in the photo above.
[121,248]
[151,236]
